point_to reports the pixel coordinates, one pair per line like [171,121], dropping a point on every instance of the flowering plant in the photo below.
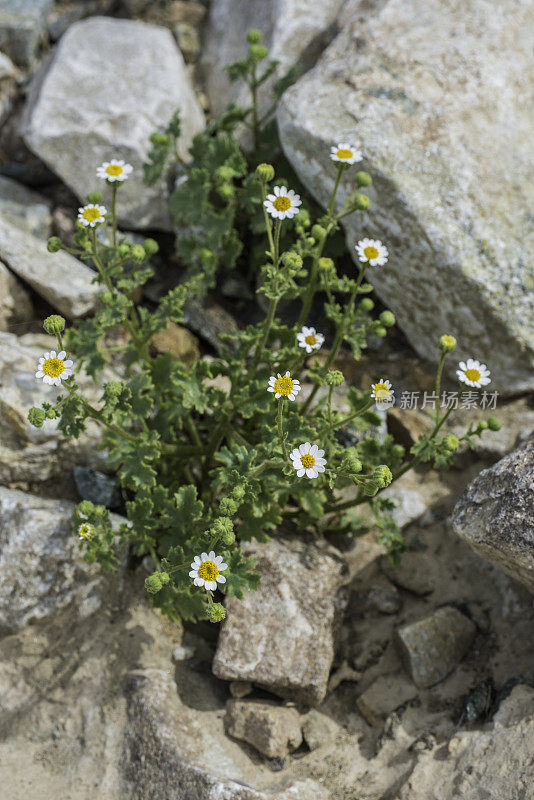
[224,450]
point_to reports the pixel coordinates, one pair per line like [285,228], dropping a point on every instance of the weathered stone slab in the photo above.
[109,84]
[416,84]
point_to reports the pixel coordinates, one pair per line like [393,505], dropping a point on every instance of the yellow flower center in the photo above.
[310,339]
[85,530]
[371,252]
[282,203]
[381,391]
[283,386]
[114,169]
[208,570]
[91,214]
[344,153]
[307,461]
[53,367]
[472,374]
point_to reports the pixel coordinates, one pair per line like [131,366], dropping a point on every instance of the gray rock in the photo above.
[38,454]
[97,487]
[318,729]
[41,568]
[415,84]
[25,208]
[8,87]
[15,303]
[59,278]
[495,514]
[22,28]
[383,696]
[299,585]
[416,572]
[273,730]
[517,425]
[409,504]
[209,320]
[385,597]
[495,762]
[81,113]
[240,689]
[294,32]
[435,645]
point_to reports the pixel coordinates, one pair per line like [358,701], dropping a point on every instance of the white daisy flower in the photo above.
[382,391]
[309,339]
[372,251]
[91,215]
[54,367]
[206,570]
[284,386]
[283,203]
[308,460]
[85,531]
[345,153]
[473,373]
[114,170]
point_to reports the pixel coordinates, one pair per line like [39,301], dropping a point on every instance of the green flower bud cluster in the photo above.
[54,324]
[54,244]
[350,463]
[334,378]
[292,261]
[257,52]
[361,202]
[94,197]
[36,417]
[451,442]
[318,233]
[160,138]
[326,265]
[216,612]
[254,36]
[155,582]
[382,476]
[223,528]
[494,424]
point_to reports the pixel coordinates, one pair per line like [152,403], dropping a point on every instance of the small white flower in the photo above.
[345,153]
[85,531]
[54,367]
[308,460]
[309,339]
[206,570]
[284,386]
[283,203]
[382,391]
[114,171]
[372,251]
[91,215]
[473,373]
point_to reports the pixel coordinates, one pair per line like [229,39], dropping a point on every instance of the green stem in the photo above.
[438,385]
[265,466]
[336,186]
[114,213]
[193,433]
[280,431]
[255,125]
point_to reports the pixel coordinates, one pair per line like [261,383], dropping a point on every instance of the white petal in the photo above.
[223,566]
[210,585]
[301,472]
[193,573]
[220,579]
[204,556]
[311,473]
[211,555]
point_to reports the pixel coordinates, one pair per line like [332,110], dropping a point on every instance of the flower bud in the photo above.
[224,173]
[254,36]
[223,528]
[382,475]
[334,377]
[380,332]
[54,324]
[370,489]
[452,442]
[363,179]
[216,612]
[151,246]
[397,451]
[326,265]
[86,507]
[53,245]
[36,417]
[238,492]
[494,424]
[482,425]
[226,191]
[292,260]
[94,197]
[265,172]
[387,318]
[228,507]
[153,584]
[447,344]
[137,253]
[351,463]
[362,202]
[113,388]
[318,233]
[159,138]
[257,52]
[367,304]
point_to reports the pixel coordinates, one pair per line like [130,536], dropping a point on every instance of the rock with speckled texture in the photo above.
[495,514]
[428,90]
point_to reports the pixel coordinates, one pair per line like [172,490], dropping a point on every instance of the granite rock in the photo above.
[81,113]
[415,84]
[273,730]
[495,514]
[300,584]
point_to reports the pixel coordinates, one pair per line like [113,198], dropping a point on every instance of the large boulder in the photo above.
[23,28]
[428,89]
[299,586]
[495,514]
[295,31]
[41,568]
[109,84]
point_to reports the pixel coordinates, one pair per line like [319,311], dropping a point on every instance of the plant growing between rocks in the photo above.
[206,468]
